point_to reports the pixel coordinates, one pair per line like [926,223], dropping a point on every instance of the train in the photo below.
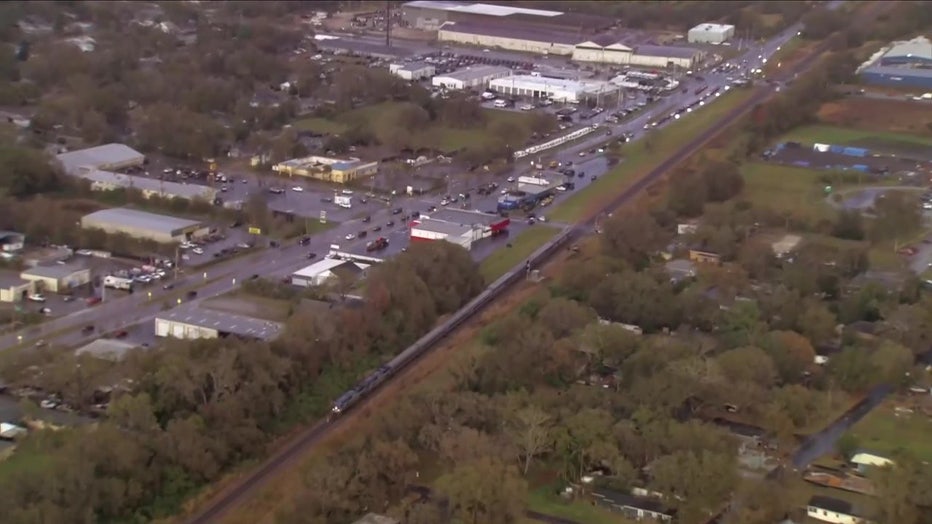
[365,387]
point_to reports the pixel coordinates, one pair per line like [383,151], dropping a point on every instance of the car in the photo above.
[582,153]
[121,334]
[390,223]
[431,209]
[276,190]
[366,219]
[311,255]
[363,200]
[191,294]
[68,298]
[243,245]
[350,236]
[304,241]
[197,251]
[398,210]
[376,229]
[254,276]
[87,329]
[91,301]
[224,189]
[37,297]
[510,179]
[244,181]
[362,234]
[45,311]
[168,286]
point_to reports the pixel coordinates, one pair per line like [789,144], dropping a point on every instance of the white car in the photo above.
[38,297]
[527,107]
[198,251]
[511,179]
[350,236]
[298,189]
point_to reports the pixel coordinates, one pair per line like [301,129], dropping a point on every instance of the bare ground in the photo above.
[896,116]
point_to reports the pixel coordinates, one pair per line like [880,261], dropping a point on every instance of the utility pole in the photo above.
[388,24]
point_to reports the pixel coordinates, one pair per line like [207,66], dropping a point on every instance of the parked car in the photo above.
[350,236]
[297,189]
[38,297]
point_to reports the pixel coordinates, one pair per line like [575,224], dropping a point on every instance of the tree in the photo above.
[748,364]
[565,317]
[723,181]
[847,445]
[632,236]
[849,225]
[484,492]
[25,172]
[701,481]
[894,486]
[791,352]
[530,433]
[688,195]
[898,215]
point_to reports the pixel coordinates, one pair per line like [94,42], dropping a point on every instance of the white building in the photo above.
[607,50]
[836,511]
[477,77]
[427,230]
[556,89]
[145,225]
[191,322]
[511,37]
[413,71]
[710,34]
[321,272]
[110,157]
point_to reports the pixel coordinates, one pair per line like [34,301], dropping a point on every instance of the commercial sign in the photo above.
[255,231]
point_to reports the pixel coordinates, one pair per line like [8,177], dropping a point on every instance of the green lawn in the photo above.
[786,189]
[381,120]
[884,432]
[644,155]
[544,500]
[502,260]
[856,137]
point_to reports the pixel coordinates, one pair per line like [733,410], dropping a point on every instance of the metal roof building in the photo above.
[191,322]
[57,278]
[477,77]
[106,157]
[556,89]
[140,224]
[110,181]
[710,33]
[522,37]
[430,15]
[413,70]
[324,270]
[905,64]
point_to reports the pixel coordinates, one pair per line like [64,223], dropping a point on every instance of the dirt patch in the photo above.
[898,116]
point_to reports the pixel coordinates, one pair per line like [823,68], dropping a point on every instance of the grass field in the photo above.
[644,155]
[382,120]
[500,261]
[854,137]
[880,115]
[544,500]
[884,432]
[786,189]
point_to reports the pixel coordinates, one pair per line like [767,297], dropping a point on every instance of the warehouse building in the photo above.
[336,170]
[603,49]
[710,34]
[13,288]
[904,64]
[110,181]
[511,37]
[328,270]
[60,278]
[413,71]
[462,228]
[556,89]
[190,322]
[140,224]
[429,16]
[108,157]
[488,223]
[657,56]
[477,77]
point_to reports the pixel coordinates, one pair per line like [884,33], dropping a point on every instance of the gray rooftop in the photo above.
[54,271]
[514,30]
[415,66]
[363,48]
[98,157]
[458,216]
[666,51]
[477,72]
[141,220]
[899,71]
[430,4]
[164,188]
[918,47]
[439,226]
[227,323]
[8,279]
[107,349]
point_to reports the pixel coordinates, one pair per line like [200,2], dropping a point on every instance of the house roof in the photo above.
[631,501]
[56,271]
[832,504]
[862,454]
[99,156]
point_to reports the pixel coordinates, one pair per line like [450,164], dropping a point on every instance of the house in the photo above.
[704,257]
[633,507]
[59,278]
[680,269]
[864,460]
[828,509]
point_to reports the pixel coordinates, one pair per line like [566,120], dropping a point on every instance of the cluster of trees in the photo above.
[187,412]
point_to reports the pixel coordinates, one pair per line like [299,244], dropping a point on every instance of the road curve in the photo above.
[228,499]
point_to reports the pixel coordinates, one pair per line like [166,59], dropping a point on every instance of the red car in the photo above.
[93,301]
[120,334]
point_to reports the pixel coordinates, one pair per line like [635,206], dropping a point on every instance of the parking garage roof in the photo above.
[226,323]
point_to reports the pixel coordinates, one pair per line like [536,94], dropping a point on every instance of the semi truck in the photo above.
[115,282]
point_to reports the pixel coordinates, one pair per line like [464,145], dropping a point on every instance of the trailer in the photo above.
[114,282]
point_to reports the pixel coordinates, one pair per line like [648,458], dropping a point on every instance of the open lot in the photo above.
[885,431]
[786,189]
[644,155]
[383,120]
[891,116]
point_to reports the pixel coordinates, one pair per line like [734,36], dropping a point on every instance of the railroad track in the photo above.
[228,499]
